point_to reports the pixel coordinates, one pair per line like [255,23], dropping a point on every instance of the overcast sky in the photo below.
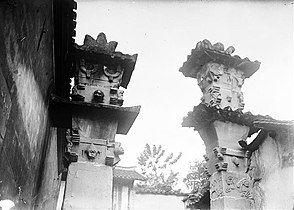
[163,34]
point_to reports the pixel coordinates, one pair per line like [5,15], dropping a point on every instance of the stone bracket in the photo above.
[114,150]
[221,166]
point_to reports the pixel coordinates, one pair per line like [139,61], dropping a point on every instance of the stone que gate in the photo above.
[96,116]
[222,125]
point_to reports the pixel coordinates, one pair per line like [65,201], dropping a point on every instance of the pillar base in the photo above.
[88,186]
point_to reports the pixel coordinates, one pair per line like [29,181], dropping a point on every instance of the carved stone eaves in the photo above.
[205,52]
[202,115]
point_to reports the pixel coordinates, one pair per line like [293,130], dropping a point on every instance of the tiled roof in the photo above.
[127,173]
[61,106]
[203,114]
[205,52]
[272,124]
[158,192]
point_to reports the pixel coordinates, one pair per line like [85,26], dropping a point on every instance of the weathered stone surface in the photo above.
[221,86]
[231,190]
[95,80]
[221,143]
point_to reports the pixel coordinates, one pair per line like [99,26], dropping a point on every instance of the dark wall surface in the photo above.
[26,78]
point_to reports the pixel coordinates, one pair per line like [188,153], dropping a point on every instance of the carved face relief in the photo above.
[91,151]
[88,68]
[98,96]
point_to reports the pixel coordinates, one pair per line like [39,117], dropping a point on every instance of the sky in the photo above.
[163,34]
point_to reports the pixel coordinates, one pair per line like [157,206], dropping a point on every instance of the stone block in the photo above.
[89,186]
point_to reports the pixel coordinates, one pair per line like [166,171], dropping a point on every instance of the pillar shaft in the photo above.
[89,180]
[226,163]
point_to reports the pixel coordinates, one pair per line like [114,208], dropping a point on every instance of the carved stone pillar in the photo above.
[96,117]
[226,165]
[220,77]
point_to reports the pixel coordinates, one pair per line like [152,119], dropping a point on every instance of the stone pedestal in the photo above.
[89,186]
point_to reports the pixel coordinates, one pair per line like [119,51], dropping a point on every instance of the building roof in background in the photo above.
[159,192]
[127,173]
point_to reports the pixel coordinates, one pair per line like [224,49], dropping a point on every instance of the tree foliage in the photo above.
[156,166]
[196,179]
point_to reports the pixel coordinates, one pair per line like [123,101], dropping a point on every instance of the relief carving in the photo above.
[216,187]
[238,186]
[221,86]
[232,185]
[92,152]
[69,155]
[97,80]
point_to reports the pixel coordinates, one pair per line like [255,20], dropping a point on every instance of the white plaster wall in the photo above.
[132,199]
[279,189]
[157,202]
[124,198]
[275,190]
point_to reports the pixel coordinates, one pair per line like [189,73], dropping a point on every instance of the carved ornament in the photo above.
[232,185]
[100,71]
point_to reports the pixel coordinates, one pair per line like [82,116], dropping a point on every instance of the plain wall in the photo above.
[26,76]
[273,172]
[157,202]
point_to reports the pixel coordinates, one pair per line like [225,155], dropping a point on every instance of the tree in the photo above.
[196,179]
[157,168]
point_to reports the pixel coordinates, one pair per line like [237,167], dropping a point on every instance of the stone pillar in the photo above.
[96,116]
[89,180]
[226,165]
[220,77]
